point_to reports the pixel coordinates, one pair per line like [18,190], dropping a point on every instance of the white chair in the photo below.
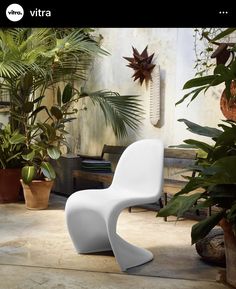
[92,215]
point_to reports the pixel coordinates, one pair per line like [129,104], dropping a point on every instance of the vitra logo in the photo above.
[40,13]
[14,12]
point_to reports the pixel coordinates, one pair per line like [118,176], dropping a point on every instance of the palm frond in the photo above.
[40,52]
[119,110]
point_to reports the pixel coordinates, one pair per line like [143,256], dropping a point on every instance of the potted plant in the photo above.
[35,60]
[11,145]
[43,139]
[214,171]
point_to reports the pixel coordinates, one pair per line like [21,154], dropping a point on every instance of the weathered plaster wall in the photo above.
[3,116]
[173,48]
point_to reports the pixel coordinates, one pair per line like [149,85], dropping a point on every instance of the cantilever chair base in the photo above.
[95,226]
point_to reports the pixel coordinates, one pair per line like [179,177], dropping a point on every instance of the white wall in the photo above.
[173,48]
[3,116]
[205,109]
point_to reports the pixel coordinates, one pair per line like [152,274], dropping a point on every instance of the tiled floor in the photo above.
[36,252]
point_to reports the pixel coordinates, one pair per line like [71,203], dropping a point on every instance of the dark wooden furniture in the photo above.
[100,176]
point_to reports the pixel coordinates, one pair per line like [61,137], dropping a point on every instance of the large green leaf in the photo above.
[223,34]
[37,110]
[53,152]
[199,144]
[55,111]
[179,205]
[201,229]
[200,81]
[48,170]
[59,96]
[29,156]
[226,173]
[201,130]
[28,173]
[194,92]
[17,138]
[193,184]
[224,71]
[228,137]
[67,93]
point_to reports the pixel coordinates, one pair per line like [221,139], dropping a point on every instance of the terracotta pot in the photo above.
[37,194]
[230,251]
[10,185]
[228,107]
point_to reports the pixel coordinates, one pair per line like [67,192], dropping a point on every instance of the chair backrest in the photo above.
[111,149]
[140,168]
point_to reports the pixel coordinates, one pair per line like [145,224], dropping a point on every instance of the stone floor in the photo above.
[36,252]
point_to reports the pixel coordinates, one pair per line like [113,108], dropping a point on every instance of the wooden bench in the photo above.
[100,176]
[173,158]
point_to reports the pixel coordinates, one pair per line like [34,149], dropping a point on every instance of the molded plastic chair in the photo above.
[92,215]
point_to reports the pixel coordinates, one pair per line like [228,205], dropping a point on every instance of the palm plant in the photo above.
[50,56]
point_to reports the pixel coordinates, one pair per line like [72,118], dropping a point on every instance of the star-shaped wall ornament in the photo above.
[142,65]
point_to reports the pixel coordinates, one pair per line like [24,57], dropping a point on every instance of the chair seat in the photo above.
[107,199]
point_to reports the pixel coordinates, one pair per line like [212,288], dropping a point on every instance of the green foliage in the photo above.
[43,140]
[11,144]
[28,173]
[200,130]
[179,205]
[201,229]
[221,74]
[32,60]
[214,172]
[119,110]
[203,49]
